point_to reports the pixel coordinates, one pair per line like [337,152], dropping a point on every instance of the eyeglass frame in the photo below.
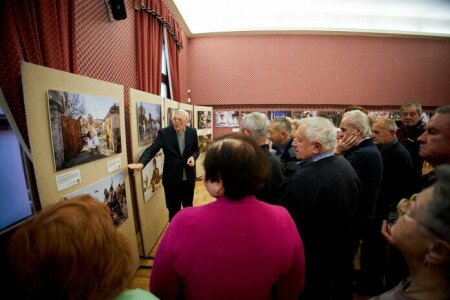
[402,211]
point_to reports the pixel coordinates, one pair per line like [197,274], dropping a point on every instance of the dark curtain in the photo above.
[152,16]
[39,32]
[174,69]
[149,41]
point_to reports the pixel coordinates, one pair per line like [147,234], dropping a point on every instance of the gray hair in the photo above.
[412,103]
[437,214]
[256,123]
[282,124]
[358,119]
[319,129]
[181,112]
[443,110]
[389,124]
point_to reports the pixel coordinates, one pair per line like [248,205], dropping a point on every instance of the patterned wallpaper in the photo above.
[106,50]
[318,69]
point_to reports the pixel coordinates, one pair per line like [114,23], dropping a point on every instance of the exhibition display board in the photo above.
[76,127]
[203,121]
[146,118]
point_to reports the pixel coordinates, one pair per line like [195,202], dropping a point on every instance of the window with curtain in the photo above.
[165,83]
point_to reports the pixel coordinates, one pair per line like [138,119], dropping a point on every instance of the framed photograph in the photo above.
[110,190]
[203,119]
[334,116]
[278,114]
[83,128]
[152,175]
[149,122]
[204,141]
[227,119]
[299,114]
[379,114]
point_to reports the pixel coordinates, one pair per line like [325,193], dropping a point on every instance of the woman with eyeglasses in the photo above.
[422,234]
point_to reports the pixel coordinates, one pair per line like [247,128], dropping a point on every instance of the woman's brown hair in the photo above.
[71,250]
[239,162]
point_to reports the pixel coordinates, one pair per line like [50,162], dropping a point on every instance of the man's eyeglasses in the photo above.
[411,114]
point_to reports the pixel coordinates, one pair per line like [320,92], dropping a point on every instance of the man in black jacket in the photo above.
[180,146]
[321,197]
[256,124]
[365,158]
[408,133]
[395,185]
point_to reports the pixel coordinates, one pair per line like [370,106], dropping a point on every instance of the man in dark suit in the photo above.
[256,124]
[280,136]
[365,158]
[395,185]
[408,133]
[321,198]
[180,146]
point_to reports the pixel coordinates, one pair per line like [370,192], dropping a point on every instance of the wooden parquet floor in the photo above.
[141,278]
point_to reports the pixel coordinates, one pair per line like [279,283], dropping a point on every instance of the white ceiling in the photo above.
[405,17]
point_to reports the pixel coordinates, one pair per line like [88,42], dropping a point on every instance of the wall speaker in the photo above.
[118,9]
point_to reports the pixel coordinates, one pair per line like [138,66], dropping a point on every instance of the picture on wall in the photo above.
[227,119]
[169,115]
[190,117]
[204,119]
[152,175]
[334,116]
[204,141]
[278,114]
[299,114]
[379,114]
[83,128]
[149,122]
[111,191]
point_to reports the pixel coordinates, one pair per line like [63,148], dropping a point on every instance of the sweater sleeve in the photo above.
[291,284]
[165,282]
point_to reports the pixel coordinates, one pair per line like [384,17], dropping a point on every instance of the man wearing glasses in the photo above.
[179,144]
[408,133]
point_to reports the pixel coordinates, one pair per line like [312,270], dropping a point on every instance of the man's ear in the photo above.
[359,130]
[438,253]
[317,147]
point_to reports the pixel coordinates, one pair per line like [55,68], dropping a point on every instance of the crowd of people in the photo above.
[293,209]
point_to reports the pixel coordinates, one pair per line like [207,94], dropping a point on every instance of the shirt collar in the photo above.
[315,158]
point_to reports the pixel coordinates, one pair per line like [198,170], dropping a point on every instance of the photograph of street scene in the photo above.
[83,128]
[149,122]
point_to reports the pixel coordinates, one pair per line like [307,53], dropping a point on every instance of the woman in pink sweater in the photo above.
[236,247]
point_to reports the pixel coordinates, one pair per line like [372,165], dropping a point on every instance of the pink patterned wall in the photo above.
[105,50]
[183,69]
[318,69]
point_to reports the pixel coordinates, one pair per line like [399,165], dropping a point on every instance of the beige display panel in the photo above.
[153,214]
[203,121]
[37,81]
